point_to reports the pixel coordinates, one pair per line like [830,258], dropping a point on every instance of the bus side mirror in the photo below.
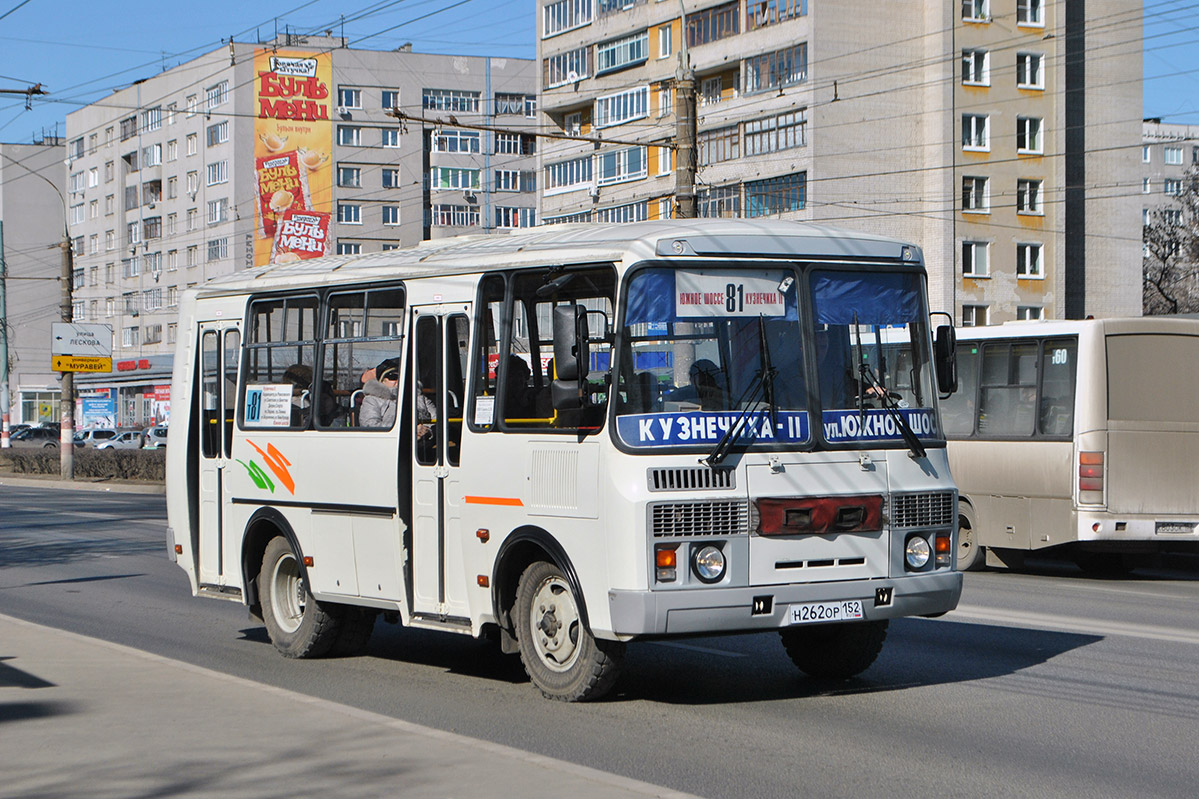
[946,350]
[572,356]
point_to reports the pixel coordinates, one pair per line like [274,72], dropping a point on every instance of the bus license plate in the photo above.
[1174,528]
[814,612]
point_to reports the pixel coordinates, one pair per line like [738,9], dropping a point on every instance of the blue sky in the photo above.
[82,50]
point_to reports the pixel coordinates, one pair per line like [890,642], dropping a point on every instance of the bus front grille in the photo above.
[933,509]
[690,478]
[678,519]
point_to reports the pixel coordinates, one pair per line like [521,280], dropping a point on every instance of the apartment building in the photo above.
[192,173]
[1169,153]
[31,230]
[1001,135]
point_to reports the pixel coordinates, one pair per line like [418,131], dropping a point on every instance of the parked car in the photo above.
[35,438]
[94,435]
[155,437]
[130,439]
[13,429]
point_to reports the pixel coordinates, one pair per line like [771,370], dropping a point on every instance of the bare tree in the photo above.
[1171,263]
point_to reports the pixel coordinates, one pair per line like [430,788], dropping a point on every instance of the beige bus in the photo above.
[1077,435]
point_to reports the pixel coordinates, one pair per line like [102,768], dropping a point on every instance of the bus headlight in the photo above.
[707,562]
[917,552]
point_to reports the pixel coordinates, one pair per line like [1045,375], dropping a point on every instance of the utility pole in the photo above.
[4,397]
[66,438]
[684,114]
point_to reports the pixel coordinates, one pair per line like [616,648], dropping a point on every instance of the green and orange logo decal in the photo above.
[276,463]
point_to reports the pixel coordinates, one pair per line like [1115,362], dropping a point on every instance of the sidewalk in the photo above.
[87,718]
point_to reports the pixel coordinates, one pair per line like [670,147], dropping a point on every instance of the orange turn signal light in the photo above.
[178,549]
[666,558]
[941,544]
[483,581]
[308,560]
[483,534]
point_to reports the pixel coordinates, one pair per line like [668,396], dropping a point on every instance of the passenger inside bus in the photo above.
[520,401]
[380,395]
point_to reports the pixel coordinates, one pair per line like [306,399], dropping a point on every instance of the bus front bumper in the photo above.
[717,610]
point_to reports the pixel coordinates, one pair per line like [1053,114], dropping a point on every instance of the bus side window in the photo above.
[457,343]
[487,342]
[1058,359]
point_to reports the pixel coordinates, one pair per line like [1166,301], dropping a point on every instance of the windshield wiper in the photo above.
[725,444]
[905,429]
[767,370]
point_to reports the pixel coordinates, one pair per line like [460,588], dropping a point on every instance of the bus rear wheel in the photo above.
[835,651]
[561,656]
[970,555]
[298,625]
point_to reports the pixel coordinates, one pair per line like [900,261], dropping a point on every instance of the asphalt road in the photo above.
[1043,684]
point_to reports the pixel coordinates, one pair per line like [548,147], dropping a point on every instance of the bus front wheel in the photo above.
[561,656]
[835,651]
[298,625]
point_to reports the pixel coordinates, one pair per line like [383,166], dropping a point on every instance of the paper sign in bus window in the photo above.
[268,405]
[712,293]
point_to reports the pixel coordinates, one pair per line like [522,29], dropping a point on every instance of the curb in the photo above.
[79,485]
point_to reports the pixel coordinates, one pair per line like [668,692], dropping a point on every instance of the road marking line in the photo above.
[1075,624]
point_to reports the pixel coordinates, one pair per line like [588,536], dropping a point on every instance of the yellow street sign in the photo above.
[80,363]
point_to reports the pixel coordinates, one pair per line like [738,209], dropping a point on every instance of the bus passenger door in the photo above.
[437,396]
[216,407]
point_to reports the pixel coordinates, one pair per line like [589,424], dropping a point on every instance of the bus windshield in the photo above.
[872,357]
[706,350]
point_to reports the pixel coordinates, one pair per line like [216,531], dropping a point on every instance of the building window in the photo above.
[713,24]
[349,98]
[218,172]
[512,180]
[1172,186]
[776,195]
[1170,155]
[77,213]
[665,41]
[75,149]
[508,103]
[976,68]
[153,227]
[619,166]
[568,67]
[1030,71]
[217,211]
[776,133]
[974,315]
[976,132]
[563,15]
[514,217]
[624,52]
[218,133]
[218,248]
[719,201]
[1028,134]
[1146,154]
[446,177]
[391,214]
[616,109]
[391,99]
[567,219]
[129,337]
[515,144]
[349,135]
[568,175]
[1029,313]
[711,90]
[623,214]
[450,100]
[391,137]
[976,195]
[152,155]
[785,67]
[1028,197]
[976,10]
[768,12]
[172,260]
[714,146]
[349,176]
[218,94]
[391,178]
[128,129]
[974,259]
[1028,261]
[349,213]
[1146,186]
[1030,12]
[456,141]
[349,248]
[445,215]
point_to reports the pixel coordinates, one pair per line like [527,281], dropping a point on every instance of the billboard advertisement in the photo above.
[293,142]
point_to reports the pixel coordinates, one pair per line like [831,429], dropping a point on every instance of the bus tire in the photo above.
[970,554]
[354,631]
[835,651]
[298,625]
[561,656]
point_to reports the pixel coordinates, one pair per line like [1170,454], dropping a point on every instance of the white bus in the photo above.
[603,434]
[1081,435]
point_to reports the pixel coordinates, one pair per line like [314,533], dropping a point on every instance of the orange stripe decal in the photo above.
[513,501]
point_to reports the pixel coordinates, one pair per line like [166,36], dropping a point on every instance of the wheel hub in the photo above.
[555,622]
